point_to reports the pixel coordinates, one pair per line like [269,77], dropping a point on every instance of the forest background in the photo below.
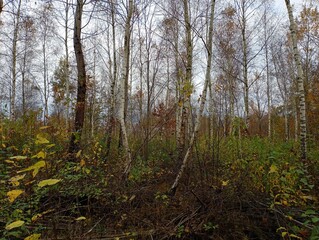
[143,119]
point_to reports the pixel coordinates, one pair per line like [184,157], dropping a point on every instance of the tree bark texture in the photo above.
[113,81]
[300,83]
[202,99]
[14,61]
[123,88]
[81,89]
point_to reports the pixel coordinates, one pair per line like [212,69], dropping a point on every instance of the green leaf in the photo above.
[35,236]
[15,224]
[315,233]
[315,219]
[310,212]
[48,182]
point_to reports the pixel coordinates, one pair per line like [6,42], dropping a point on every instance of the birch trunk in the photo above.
[14,61]
[67,75]
[81,90]
[267,73]
[186,88]
[114,78]
[245,64]
[203,96]
[122,89]
[300,83]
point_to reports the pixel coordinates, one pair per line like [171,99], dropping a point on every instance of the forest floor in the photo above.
[145,211]
[252,189]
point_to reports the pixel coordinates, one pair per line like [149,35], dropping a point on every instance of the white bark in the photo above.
[300,83]
[67,77]
[122,95]
[202,100]
[14,61]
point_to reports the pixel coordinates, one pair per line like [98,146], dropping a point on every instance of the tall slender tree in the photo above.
[111,123]
[81,79]
[203,96]
[300,83]
[123,87]
[14,60]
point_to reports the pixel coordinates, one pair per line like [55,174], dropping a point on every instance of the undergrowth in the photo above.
[249,188]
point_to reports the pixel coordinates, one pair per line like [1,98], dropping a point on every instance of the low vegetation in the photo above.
[249,188]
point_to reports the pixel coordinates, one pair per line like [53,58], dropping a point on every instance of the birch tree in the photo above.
[14,60]
[300,83]
[46,29]
[122,87]
[248,23]
[203,96]
[113,60]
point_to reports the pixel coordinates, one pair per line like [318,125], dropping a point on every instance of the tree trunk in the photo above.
[113,81]
[14,62]
[81,90]
[245,65]
[186,86]
[267,73]
[67,77]
[300,82]
[1,5]
[204,93]
[123,88]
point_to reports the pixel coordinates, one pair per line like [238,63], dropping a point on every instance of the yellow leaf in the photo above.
[35,168]
[44,127]
[305,198]
[19,157]
[40,154]
[15,224]
[87,171]
[295,236]
[35,236]
[3,145]
[284,202]
[15,180]
[225,183]
[9,161]
[273,169]
[283,234]
[48,182]
[12,195]
[80,218]
[41,140]
[78,154]
[82,163]
[132,198]
[39,215]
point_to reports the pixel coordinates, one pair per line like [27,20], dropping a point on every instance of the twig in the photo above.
[308,226]
[93,227]
[200,200]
